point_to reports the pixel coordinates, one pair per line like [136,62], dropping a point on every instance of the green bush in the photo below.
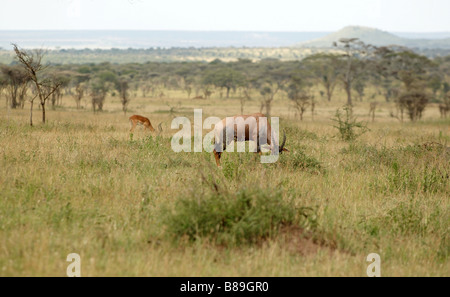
[347,125]
[230,219]
[298,159]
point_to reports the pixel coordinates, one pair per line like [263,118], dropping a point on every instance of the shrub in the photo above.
[347,124]
[299,160]
[247,216]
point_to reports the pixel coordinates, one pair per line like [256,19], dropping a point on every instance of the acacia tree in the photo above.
[245,94]
[415,103]
[80,83]
[145,88]
[359,86]
[100,85]
[222,77]
[435,82]
[99,90]
[382,74]
[357,56]
[188,85]
[16,83]
[63,81]
[273,77]
[45,87]
[385,84]
[80,90]
[411,70]
[326,70]
[299,93]
[122,87]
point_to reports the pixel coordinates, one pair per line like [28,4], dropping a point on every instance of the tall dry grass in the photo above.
[79,184]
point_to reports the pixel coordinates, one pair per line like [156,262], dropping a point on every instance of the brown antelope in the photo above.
[252,127]
[140,120]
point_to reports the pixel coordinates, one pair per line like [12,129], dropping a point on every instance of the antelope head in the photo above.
[281,148]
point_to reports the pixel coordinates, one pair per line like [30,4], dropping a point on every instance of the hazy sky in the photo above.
[211,15]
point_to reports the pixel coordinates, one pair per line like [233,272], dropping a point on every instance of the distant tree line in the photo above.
[404,77]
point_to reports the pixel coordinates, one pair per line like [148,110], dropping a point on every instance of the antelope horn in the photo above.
[284,142]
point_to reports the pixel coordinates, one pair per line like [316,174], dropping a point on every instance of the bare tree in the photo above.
[32,62]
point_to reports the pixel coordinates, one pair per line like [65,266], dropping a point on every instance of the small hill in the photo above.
[375,37]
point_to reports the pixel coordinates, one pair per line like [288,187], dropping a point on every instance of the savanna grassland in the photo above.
[130,206]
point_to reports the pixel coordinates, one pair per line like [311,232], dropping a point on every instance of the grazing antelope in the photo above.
[140,120]
[245,128]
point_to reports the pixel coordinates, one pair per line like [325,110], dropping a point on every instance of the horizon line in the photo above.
[237,31]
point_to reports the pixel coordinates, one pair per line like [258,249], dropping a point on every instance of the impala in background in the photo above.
[140,120]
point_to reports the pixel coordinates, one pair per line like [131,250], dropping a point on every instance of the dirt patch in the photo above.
[298,241]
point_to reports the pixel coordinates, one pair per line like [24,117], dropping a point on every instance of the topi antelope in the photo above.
[140,120]
[252,127]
